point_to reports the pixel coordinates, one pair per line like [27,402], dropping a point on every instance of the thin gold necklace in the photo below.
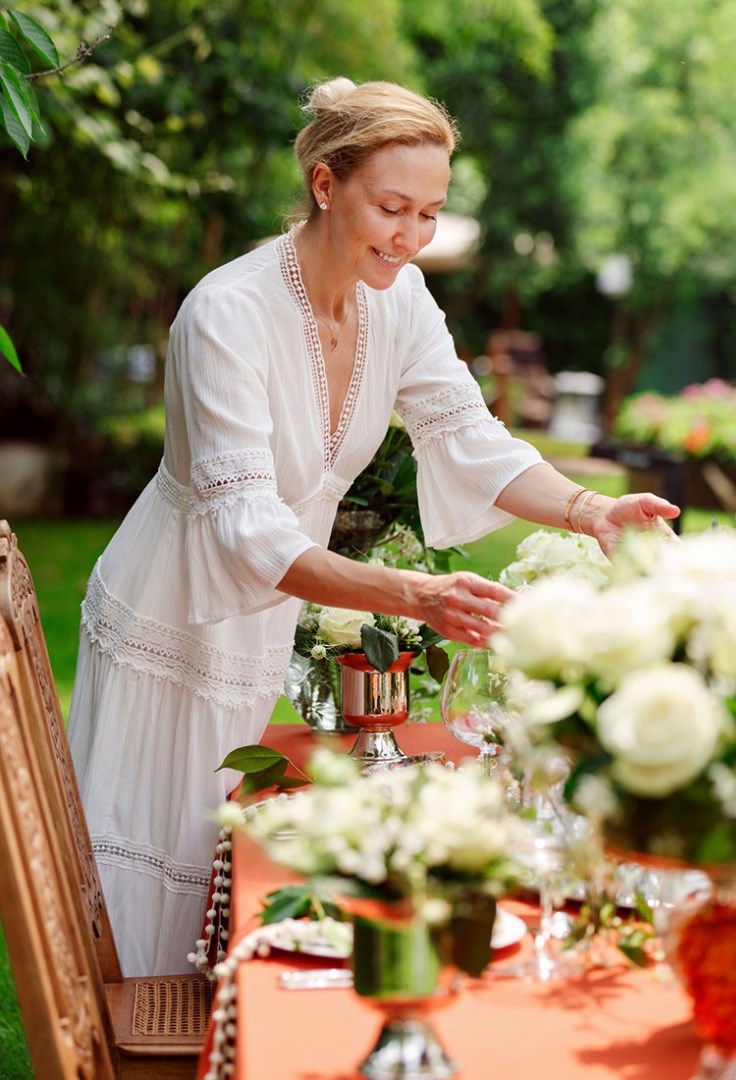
[334,334]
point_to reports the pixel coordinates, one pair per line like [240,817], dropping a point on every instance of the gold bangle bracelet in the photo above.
[581,507]
[570,503]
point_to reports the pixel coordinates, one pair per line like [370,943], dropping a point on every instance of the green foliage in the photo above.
[262,768]
[297,902]
[19,111]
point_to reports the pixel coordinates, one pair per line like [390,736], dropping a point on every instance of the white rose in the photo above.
[339,626]
[712,644]
[628,628]
[661,726]
[542,630]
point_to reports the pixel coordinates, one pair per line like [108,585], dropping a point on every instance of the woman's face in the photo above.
[386,211]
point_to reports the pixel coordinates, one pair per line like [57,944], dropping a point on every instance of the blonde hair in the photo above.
[350,123]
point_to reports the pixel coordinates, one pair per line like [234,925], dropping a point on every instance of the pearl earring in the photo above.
[323,206]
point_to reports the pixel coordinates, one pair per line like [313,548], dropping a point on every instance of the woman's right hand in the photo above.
[461,606]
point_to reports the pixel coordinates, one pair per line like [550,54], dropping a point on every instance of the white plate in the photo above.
[508,929]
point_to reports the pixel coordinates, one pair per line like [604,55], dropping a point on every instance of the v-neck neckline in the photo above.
[291,272]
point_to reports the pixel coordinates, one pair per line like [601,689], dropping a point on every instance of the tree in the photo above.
[654,174]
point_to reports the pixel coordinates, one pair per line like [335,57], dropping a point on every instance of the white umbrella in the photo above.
[453,245]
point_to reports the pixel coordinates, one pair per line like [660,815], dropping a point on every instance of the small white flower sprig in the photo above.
[425,835]
[641,689]
[326,632]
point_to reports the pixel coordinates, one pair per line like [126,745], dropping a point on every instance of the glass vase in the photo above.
[397,967]
[314,689]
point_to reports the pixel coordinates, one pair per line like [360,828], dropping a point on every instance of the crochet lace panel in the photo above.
[289,264]
[230,680]
[446,410]
[142,859]
[221,482]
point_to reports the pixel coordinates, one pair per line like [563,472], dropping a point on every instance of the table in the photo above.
[610,1023]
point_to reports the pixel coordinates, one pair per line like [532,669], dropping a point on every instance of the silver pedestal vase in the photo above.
[376,702]
[397,968]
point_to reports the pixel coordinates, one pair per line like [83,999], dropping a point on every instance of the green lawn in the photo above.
[61,556]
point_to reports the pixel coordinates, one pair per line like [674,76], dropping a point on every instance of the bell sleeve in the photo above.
[465,456]
[241,537]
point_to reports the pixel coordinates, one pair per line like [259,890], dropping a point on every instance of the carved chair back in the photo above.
[44,732]
[59,990]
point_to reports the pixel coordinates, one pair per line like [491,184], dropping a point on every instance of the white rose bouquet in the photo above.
[323,633]
[640,674]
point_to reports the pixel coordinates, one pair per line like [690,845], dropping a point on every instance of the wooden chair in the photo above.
[79,1023]
[46,734]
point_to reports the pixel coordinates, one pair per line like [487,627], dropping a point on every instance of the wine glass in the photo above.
[472,704]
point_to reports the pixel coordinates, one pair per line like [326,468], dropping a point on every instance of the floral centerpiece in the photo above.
[418,857]
[641,689]
[640,677]
[423,842]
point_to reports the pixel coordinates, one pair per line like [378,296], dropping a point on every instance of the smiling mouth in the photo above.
[389,260]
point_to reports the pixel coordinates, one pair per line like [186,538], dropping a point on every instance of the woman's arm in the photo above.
[462,606]
[543,495]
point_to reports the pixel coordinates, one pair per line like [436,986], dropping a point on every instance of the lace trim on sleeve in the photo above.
[220,483]
[231,680]
[446,410]
[175,877]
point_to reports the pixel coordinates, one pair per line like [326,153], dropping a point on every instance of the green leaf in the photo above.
[291,902]
[17,134]
[438,662]
[7,348]
[12,54]
[253,758]
[381,648]
[265,778]
[430,636]
[36,37]
[17,97]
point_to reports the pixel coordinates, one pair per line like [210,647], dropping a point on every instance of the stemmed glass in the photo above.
[551,836]
[472,704]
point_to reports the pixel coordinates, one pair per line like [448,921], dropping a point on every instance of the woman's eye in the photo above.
[388,210]
[429,217]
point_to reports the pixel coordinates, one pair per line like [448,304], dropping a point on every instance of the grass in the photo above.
[61,556]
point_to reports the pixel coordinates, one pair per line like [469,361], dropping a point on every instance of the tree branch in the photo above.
[84,51]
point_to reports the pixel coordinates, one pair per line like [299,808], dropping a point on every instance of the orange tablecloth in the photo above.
[612,1023]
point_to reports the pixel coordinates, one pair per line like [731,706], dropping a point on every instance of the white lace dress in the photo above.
[185,639]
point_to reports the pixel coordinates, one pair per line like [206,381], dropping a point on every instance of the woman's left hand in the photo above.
[607,519]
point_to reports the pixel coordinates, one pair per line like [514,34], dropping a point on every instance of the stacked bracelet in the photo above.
[583,501]
[570,503]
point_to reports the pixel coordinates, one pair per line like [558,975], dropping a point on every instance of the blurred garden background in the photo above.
[598,159]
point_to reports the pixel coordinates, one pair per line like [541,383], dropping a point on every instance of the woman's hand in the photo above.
[461,606]
[607,519]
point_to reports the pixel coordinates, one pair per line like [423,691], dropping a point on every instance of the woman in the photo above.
[284,367]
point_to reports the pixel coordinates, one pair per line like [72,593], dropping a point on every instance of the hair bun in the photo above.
[329,93]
